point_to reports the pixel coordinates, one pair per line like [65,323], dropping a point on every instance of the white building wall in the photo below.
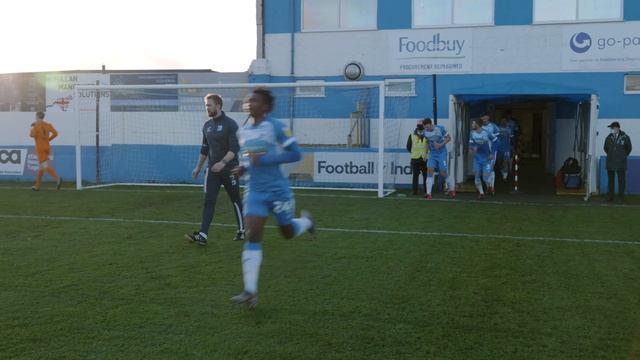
[496,49]
[564,130]
[159,128]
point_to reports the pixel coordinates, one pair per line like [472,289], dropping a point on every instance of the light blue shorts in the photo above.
[280,203]
[482,166]
[438,162]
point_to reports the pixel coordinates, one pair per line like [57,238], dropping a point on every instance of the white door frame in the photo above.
[456,150]
[592,159]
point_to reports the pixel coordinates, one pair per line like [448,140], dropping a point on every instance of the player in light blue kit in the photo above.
[438,137]
[480,144]
[265,144]
[505,138]
[492,129]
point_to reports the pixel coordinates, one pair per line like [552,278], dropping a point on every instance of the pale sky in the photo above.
[50,35]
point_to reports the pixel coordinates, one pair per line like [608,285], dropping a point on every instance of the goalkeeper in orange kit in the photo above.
[43,132]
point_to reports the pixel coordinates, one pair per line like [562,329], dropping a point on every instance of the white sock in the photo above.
[486,178]
[251,260]
[300,225]
[492,179]
[429,184]
[450,185]
[479,185]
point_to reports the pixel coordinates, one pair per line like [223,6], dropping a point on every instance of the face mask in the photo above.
[615,131]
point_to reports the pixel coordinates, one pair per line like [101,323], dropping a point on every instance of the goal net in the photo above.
[351,135]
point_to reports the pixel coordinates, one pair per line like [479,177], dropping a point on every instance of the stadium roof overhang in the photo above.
[522,91]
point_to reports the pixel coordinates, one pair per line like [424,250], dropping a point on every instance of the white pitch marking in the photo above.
[361,231]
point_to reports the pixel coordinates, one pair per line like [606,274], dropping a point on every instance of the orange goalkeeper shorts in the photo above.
[43,155]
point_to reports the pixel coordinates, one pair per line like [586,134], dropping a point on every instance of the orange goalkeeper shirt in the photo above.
[43,132]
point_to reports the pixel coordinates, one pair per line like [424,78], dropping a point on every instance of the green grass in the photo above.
[97,289]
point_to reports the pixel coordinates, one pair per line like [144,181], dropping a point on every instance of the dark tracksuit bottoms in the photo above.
[212,184]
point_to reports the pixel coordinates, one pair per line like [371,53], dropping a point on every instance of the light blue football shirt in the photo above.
[269,136]
[436,136]
[483,144]
[492,129]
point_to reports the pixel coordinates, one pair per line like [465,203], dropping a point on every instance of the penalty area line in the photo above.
[338,230]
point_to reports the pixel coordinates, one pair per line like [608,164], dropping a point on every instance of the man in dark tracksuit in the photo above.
[618,147]
[220,147]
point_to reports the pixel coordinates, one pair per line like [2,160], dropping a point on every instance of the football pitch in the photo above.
[107,274]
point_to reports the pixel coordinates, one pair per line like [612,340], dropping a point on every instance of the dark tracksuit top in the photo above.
[617,150]
[218,138]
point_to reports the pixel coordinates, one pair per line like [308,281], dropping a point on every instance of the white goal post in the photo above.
[151,134]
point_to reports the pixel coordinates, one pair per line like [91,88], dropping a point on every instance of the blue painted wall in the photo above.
[277,16]
[631,10]
[64,162]
[176,163]
[513,12]
[125,163]
[633,176]
[394,14]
